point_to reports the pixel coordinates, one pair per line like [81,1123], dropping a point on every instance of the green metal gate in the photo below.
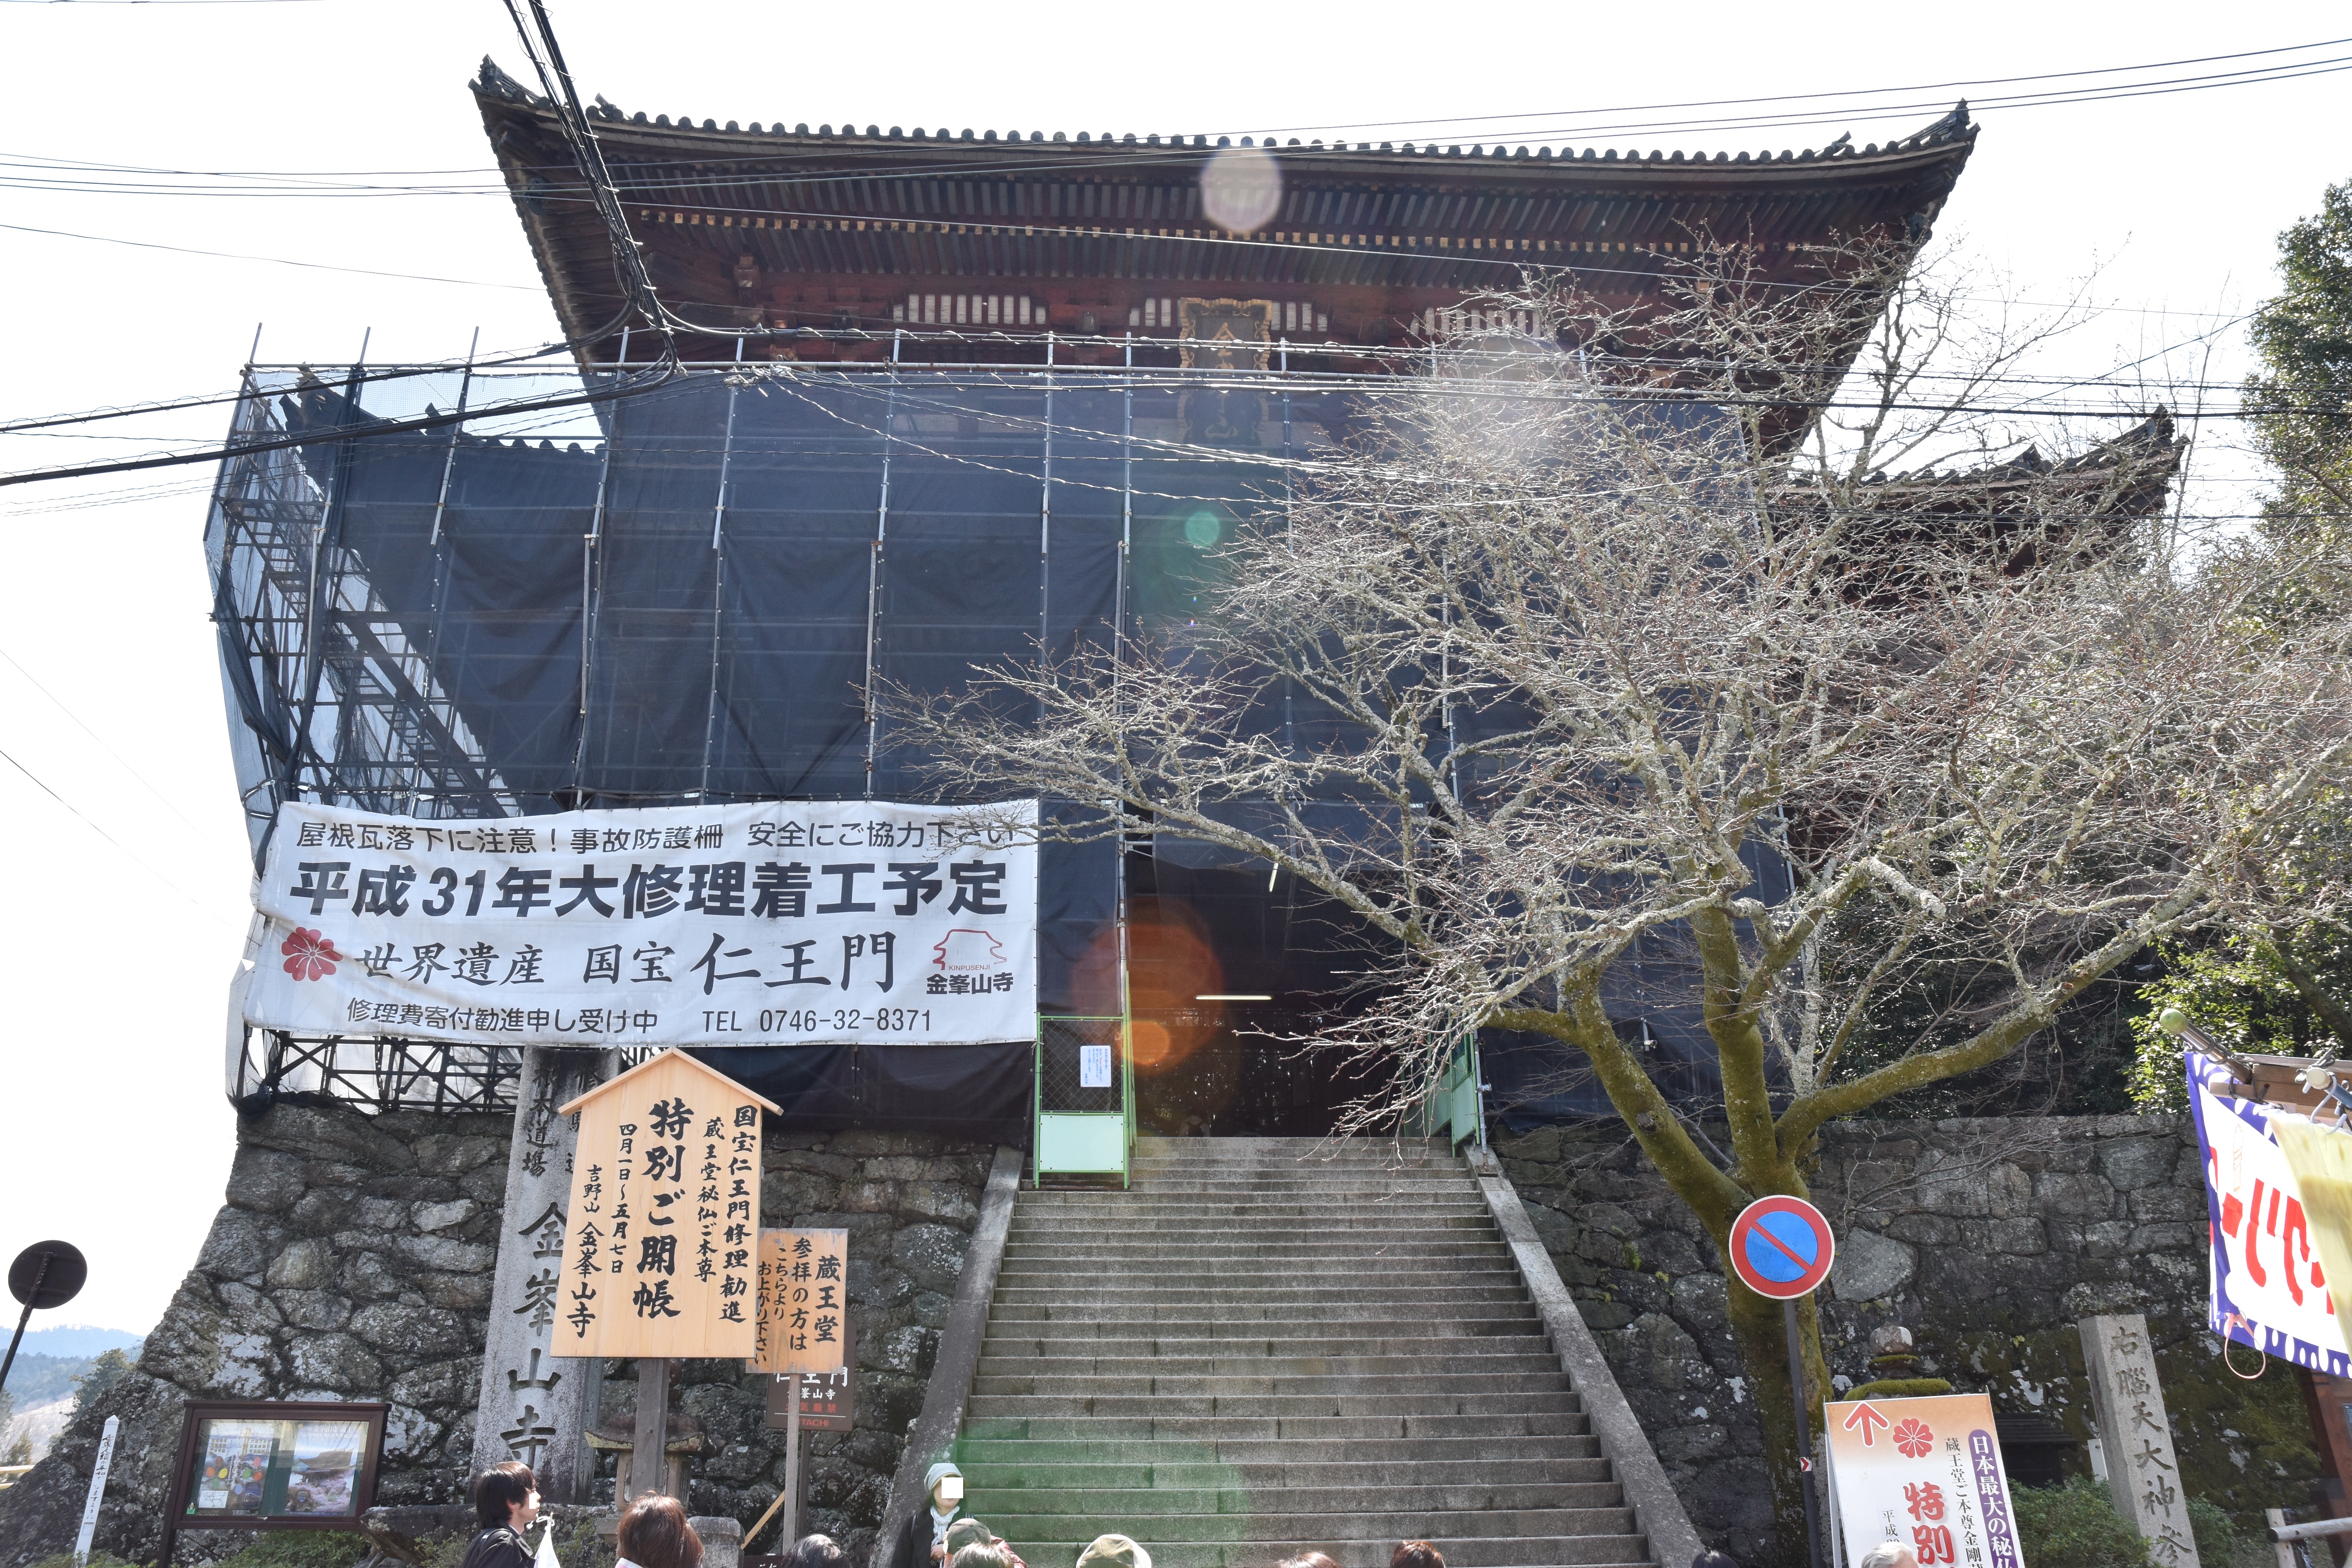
[1085,1097]
[1455,1109]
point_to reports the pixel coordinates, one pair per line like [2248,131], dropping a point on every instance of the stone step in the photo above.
[1387,1527]
[1469,1258]
[1269,1227]
[1206,1245]
[1134,1291]
[1457,1360]
[1396,1317]
[1276,1437]
[1391,1337]
[1304,1226]
[1463,1191]
[1151,1177]
[1270,1344]
[1080,1467]
[1161,1146]
[1293,1405]
[994,1501]
[1404,1376]
[1396,1294]
[1561,1552]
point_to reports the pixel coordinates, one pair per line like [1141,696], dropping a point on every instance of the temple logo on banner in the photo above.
[734,925]
[2269,1288]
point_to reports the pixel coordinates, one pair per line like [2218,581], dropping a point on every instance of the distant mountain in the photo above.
[37,1379]
[80,1339]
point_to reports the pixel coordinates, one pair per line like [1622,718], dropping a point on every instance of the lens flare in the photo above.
[1203,528]
[1148,1045]
[1170,965]
[1241,188]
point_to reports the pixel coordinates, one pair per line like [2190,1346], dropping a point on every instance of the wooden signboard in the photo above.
[664,1217]
[827,1403]
[804,1302]
[274,1465]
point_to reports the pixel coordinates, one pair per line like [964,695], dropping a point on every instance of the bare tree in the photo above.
[1588,636]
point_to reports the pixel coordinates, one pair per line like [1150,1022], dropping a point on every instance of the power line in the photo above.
[1132,155]
[94,735]
[238,256]
[102,833]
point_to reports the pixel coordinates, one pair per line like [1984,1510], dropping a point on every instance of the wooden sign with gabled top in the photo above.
[661,1253]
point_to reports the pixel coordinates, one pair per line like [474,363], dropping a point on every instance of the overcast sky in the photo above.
[124,927]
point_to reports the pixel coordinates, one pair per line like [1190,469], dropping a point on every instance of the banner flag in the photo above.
[2269,1286]
[1922,1473]
[762,925]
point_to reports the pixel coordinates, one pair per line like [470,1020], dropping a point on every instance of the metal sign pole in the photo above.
[792,1498]
[39,1278]
[1804,1431]
[1781,1248]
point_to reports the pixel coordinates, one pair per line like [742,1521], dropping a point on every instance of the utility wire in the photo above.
[102,833]
[240,256]
[94,735]
[1074,156]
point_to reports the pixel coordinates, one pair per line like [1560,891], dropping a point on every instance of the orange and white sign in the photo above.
[1925,1473]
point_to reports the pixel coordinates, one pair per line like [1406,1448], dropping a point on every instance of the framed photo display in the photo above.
[275,1465]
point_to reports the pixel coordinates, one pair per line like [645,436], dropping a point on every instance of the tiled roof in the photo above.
[1952,128]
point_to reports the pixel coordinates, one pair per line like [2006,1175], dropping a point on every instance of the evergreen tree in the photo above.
[2303,337]
[104,1374]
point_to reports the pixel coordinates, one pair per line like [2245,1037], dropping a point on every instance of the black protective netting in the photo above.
[682,595]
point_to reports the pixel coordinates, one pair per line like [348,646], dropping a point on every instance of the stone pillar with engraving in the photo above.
[535,1408]
[2143,1471]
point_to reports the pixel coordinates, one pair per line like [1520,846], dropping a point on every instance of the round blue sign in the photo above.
[1781,1247]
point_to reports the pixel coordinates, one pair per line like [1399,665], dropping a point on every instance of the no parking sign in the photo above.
[1781,1247]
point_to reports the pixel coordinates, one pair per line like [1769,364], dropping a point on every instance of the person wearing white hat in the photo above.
[924,1541]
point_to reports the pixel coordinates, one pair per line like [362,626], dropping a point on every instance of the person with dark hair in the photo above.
[506,1500]
[655,1534]
[1416,1554]
[969,1531]
[1713,1560]
[981,1554]
[816,1552]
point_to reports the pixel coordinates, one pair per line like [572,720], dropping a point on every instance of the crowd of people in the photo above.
[656,1533]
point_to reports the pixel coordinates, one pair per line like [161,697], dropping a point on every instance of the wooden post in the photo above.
[649,1456]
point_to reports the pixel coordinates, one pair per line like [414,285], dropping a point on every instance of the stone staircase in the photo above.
[1266,1347]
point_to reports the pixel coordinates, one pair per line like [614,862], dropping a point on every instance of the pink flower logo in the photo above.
[1912,1437]
[309,955]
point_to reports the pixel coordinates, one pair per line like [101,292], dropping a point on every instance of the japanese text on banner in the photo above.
[750,924]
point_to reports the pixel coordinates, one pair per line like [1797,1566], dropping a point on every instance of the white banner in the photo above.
[2268,1289]
[777,923]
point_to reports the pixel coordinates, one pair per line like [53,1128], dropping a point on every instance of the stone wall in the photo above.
[354,1260]
[351,1261]
[1986,1238]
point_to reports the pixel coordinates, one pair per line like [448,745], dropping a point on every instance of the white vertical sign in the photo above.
[96,1492]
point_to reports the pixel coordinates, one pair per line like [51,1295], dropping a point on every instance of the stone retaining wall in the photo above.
[353,1259]
[1986,1238]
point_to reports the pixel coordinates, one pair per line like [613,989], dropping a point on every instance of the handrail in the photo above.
[933,1434]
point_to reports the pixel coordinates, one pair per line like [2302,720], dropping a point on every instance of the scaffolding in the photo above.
[476,591]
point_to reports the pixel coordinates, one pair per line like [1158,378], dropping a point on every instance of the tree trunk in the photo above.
[1758,1329]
